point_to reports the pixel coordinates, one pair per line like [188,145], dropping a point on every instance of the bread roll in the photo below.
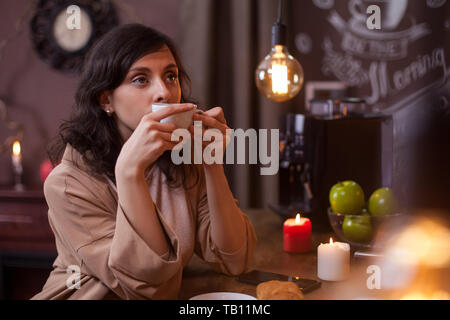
[278,290]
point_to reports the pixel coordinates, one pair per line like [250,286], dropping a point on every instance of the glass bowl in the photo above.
[361,231]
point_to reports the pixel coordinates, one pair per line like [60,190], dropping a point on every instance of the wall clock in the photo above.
[58,42]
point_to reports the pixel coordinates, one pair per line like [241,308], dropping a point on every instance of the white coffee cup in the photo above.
[181,120]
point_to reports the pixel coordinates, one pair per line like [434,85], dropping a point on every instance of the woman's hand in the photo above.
[213,119]
[149,141]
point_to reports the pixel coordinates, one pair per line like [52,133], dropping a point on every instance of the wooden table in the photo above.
[199,278]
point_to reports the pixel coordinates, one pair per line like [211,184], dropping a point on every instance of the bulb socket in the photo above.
[279,32]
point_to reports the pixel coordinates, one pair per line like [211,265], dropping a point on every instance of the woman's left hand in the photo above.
[213,119]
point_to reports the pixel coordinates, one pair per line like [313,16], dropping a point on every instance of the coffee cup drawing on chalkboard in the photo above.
[392,11]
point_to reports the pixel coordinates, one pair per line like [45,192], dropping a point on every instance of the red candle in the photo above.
[297,235]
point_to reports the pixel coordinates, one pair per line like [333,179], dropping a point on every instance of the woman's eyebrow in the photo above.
[170,66]
[145,69]
[142,69]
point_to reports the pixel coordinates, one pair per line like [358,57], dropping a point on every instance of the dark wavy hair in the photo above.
[90,131]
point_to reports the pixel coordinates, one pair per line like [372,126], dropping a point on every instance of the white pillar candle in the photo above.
[333,261]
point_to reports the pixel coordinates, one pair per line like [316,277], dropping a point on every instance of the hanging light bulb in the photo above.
[279,76]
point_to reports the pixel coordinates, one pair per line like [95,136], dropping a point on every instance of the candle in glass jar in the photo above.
[333,261]
[297,235]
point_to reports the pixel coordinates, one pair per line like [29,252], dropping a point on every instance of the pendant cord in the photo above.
[278,28]
[280,10]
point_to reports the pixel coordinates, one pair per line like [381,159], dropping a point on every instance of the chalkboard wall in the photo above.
[401,69]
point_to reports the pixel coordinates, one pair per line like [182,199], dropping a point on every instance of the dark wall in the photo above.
[39,97]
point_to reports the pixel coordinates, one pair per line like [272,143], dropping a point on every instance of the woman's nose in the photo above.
[161,91]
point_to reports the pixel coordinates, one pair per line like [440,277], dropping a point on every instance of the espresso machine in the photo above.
[336,140]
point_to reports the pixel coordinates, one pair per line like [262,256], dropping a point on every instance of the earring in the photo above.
[108,112]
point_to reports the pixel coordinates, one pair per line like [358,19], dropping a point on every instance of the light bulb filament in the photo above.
[279,78]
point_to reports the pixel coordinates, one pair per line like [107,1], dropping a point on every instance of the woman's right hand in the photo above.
[149,141]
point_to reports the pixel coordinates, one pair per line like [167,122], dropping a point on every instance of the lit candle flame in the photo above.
[16,148]
[331,240]
[297,218]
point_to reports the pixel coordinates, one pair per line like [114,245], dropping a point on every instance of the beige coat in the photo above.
[113,260]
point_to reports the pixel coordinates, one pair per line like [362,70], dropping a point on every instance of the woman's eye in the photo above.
[140,80]
[172,77]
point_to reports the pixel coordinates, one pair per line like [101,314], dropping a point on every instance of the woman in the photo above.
[126,219]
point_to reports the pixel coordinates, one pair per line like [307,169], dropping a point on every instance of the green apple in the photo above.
[357,228]
[382,202]
[347,198]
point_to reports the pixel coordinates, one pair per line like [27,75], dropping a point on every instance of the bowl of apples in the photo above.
[356,222]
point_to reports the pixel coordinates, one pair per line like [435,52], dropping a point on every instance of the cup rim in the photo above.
[161,104]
